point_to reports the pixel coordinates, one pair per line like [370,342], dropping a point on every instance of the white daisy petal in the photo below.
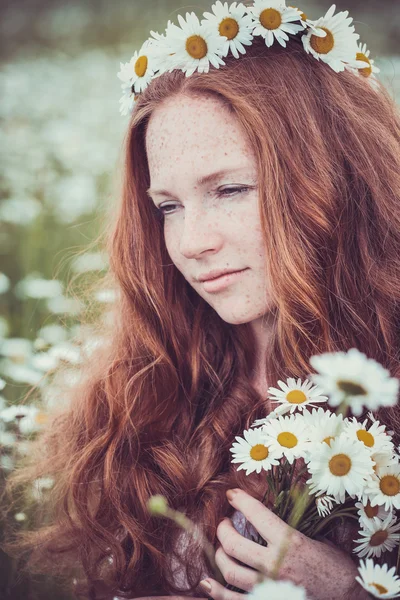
[295,395]
[378,580]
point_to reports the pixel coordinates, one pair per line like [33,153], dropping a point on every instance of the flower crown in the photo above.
[194,45]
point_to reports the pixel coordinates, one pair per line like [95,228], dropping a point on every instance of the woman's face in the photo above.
[214,223]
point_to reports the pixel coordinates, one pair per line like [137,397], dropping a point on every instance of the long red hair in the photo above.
[161,402]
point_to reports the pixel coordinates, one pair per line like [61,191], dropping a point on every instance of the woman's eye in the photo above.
[225,192]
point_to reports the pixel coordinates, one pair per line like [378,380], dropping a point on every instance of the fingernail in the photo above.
[230,494]
[205,585]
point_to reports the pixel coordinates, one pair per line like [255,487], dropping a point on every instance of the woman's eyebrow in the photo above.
[201,181]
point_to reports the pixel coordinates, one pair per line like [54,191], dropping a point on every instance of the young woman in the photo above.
[288,173]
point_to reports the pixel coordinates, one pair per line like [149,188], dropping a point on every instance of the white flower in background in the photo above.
[378,580]
[231,22]
[273,589]
[37,287]
[378,536]
[339,46]
[20,516]
[375,438]
[19,211]
[324,505]
[28,418]
[287,436]
[367,513]
[7,462]
[16,349]
[139,71]
[384,487]
[195,47]
[73,196]
[253,452]
[273,21]
[4,283]
[294,395]
[21,373]
[323,426]
[39,485]
[53,334]
[344,466]
[67,352]
[106,295]
[90,261]
[63,305]
[7,438]
[2,384]
[361,380]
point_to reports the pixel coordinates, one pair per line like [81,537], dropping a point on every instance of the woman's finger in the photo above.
[234,574]
[237,546]
[217,591]
[271,528]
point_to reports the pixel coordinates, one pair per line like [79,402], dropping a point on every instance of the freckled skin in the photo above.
[187,138]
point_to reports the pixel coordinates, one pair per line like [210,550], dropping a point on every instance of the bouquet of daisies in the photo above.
[322,465]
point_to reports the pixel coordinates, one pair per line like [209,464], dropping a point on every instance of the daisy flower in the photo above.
[343,466]
[233,23]
[323,427]
[384,487]
[356,379]
[378,580]
[367,513]
[127,102]
[278,590]
[324,505]
[378,536]
[307,23]
[339,46]
[375,438]
[287,436]
[294,395]
[273,21]
[138,72]
[194,46]
[161,50]
[368,69]
[254,452]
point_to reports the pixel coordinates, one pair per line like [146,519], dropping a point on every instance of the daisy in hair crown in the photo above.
[194,44]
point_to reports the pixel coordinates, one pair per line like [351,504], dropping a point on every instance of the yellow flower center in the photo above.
[287,439]
[371,511]
[41,418]
[270,18]
[328,439]
[259,452]
[379,538]
[141,66]
[340,465]
[229,27]
[368,70]
[196,47]
[350,388]
[366,437]
[322,45]
[380,588]
[296,397]
[389,485]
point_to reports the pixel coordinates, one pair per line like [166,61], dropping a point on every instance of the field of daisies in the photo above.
[60,140]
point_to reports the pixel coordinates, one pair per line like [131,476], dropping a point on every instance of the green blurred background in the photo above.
[60,143]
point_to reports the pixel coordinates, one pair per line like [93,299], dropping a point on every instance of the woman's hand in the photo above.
[324,571]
